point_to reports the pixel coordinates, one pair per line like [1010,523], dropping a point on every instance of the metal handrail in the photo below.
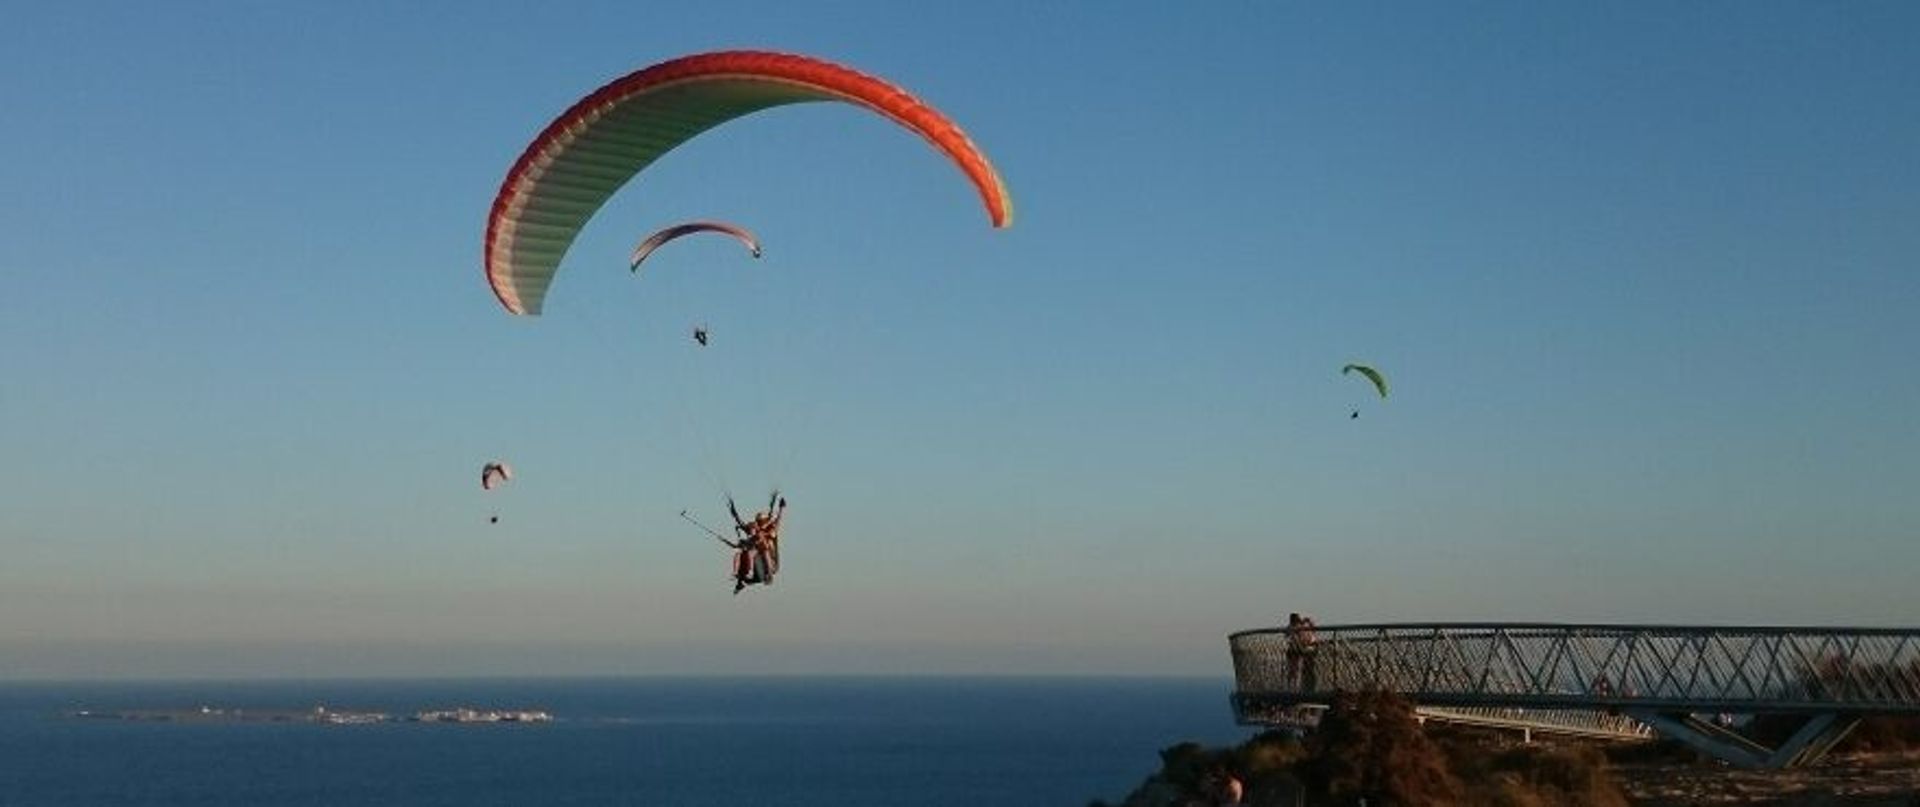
[1589,666]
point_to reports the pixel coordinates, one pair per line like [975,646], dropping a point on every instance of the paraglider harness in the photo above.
[756,556]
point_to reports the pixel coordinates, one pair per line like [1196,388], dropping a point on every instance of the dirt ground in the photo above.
[1876,780]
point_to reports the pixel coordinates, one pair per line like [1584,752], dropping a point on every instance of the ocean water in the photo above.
[669,741]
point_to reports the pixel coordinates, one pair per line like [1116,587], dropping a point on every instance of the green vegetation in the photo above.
[1369,749]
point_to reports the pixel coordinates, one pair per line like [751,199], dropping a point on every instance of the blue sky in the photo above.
[1641,275]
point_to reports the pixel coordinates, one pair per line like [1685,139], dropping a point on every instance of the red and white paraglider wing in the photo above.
[601,142]
[494,474]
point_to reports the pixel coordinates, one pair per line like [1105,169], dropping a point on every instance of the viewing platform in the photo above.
[1694,683]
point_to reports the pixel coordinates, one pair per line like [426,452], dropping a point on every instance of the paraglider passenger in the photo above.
[766,530]
[757,559]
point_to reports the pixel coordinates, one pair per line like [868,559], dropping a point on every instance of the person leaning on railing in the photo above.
[1301,643]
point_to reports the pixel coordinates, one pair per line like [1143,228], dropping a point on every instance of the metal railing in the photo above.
[1618,681]
[1699,669]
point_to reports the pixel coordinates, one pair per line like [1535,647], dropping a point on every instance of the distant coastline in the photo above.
[317,714]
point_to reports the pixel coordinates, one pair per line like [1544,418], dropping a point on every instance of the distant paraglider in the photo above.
[659,239]
[493,475]
[1379,381]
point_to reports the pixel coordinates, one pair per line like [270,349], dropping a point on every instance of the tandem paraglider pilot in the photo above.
[756,557]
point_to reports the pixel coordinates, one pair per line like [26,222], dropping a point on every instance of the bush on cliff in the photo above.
[1370,746]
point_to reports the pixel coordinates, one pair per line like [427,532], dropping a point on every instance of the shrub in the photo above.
[1370,746]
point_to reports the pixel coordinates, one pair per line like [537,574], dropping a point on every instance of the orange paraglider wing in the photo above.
[601,142]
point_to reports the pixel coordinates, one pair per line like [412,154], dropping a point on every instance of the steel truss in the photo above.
[1688,682]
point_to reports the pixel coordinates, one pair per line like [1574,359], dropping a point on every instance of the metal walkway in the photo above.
[1595,680]
[1582,723]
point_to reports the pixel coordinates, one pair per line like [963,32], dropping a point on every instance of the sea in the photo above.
[640,741]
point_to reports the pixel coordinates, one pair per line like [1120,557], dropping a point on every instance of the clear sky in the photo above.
[1642,275]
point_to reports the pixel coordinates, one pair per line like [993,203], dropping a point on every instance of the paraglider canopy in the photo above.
[1379,381]
[495,474]
[597,145]
[658,239]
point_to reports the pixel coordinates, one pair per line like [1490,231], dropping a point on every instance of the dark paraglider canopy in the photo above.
[1379,382]
[658,239]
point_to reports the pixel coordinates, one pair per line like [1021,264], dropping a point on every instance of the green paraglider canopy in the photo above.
[1379,381]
